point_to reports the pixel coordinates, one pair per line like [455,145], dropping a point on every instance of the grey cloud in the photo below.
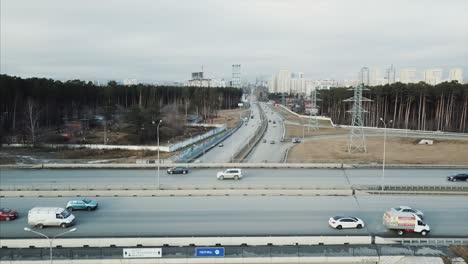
[166,40]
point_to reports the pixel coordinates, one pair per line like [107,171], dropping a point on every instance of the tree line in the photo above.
[27,105]
[417,106]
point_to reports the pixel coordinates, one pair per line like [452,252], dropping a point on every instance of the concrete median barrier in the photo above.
[189,241]
[166,193]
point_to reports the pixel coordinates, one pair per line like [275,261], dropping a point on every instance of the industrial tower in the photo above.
[313,122]
[236,76]
[357,138]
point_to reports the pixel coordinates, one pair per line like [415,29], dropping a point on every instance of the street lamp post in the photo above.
[159,163]
[51,240]
[384,150]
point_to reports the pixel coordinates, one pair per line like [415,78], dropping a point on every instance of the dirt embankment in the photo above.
[293,118]
[398,151]
[230,117]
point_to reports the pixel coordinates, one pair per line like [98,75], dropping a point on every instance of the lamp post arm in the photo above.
[38,233]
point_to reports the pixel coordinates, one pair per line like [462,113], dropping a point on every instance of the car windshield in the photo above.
[5,210]
[86,200]
[337,218]
[65,214]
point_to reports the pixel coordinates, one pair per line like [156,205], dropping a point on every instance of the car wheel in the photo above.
[40,226]
[88,208]
[359,226]
[184,172]
[423,233]
[70,209]
[400,232]
[7,218]
[454,179]
[221,177]
[63,225]
[236,177]
[339,227]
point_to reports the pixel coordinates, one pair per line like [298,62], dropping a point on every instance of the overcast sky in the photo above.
[165,40]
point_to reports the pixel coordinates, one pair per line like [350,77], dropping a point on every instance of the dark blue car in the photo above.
[458,177]
[178,170]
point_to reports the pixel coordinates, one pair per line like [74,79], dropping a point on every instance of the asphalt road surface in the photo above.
[265,151]
[235,142]
[207,177]
[240,216]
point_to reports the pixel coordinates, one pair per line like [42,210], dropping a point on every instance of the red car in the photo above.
[7,214]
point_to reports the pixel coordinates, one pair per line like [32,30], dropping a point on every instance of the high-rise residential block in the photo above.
[273,84]
[408,76]
[433,76]
[284,81]
[236,76]
[456,74]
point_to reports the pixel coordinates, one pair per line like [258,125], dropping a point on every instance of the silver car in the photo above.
[235,174]
[407,209]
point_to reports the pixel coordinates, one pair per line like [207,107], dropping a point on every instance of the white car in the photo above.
[407,209]
[340,222]
[235,174]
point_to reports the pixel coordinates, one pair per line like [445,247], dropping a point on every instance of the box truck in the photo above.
[403,222]
[50,216]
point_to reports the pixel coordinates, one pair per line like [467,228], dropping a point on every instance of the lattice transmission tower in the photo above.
[313,122]
[357,138]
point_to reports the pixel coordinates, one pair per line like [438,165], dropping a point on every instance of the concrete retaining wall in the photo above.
[188,241]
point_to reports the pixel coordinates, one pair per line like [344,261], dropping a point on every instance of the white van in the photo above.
[50,216]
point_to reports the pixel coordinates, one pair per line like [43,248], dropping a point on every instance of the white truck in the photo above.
[403,222]
[50,216]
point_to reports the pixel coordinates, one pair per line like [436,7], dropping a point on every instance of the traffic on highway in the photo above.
[292,177]
[244,216]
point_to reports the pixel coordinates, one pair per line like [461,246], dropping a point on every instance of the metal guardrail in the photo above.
[409,188]
[191,154]
[188,252]
[372,253]
[433,241]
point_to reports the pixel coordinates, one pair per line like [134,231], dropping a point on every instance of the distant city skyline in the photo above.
[286,81]
[161,41]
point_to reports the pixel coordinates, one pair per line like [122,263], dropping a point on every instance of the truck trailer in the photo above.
[402,222]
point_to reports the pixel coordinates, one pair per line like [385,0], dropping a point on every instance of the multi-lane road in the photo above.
[241,216]
[270,149]
[252,177]
[235,142]
[236,215]
[265,151]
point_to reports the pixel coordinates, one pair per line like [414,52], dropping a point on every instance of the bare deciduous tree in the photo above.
[32,115]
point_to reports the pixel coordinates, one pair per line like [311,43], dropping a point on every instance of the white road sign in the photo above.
[142,252]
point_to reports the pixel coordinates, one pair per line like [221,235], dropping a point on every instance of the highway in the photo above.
[265,151]
[252,177]
[233,143]
[240,216]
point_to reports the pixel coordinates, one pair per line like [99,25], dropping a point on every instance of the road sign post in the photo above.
[209,252]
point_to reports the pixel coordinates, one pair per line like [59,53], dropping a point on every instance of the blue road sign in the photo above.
[209,252]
